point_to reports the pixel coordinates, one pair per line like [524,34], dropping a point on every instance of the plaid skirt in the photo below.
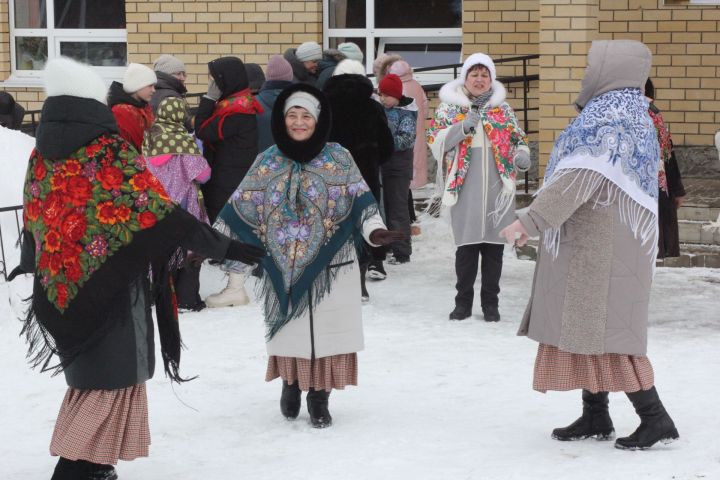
[609,372]
[102,426]
[327,373]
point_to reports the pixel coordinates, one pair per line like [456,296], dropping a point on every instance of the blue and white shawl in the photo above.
[614,136]
[304,215]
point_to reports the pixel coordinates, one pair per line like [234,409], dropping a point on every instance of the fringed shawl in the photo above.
[97,219]
[614,136]
[666,145]
[500,125]
[304,214]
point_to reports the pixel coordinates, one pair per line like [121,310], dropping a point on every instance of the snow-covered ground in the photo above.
[436,400]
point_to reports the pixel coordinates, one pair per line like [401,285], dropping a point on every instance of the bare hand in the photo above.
[510,233]
[386,237]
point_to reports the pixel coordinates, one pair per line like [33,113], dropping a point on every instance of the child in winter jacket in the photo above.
[397,172]
[130,103]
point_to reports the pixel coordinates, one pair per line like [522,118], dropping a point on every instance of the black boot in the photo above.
[66,470]
[460,313]
[655,423]
[594,422]
[290,400]
[317,403]
[83,470]
[491,313]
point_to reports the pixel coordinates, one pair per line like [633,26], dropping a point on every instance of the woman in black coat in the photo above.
[360,125]
[226,124]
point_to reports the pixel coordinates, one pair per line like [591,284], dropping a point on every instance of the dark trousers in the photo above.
[397,215]
[187,285]
[466,268]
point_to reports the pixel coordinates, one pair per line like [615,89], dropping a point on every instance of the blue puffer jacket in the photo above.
[402,121]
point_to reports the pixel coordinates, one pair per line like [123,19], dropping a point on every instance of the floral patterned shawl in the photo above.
[666,145]
[501,127]
[304,214]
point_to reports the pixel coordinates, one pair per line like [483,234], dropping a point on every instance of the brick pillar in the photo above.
[567,27]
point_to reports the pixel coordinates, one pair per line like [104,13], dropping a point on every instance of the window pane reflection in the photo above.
[30,14]
[347,13]
[31,52]
[426,54]
[89,13]
[99,54]
[418,14]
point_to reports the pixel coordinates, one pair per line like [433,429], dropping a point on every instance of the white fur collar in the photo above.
[452,93]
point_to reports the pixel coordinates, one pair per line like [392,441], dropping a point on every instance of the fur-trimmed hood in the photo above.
[452,93]
[381,65]
[301,151]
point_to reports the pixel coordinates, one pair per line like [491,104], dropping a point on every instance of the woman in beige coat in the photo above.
[596,216]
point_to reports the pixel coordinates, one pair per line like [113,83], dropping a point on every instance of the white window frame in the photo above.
[392,35]
[55,36]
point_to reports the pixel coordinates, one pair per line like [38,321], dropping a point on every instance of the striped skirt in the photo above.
[102,426]
[609,372]
[327,373]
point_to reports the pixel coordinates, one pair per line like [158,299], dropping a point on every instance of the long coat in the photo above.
[593,298]
[230,144]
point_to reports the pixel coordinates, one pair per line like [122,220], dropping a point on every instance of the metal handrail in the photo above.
[15,209]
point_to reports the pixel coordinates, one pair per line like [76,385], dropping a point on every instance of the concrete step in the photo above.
[698,213]
[692,231]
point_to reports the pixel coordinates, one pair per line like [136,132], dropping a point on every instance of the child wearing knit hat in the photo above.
[129,102]
[397,172]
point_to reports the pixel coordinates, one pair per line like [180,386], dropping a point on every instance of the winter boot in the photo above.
[376,270]
[83,470]
[491,313]
[594,422]
[290,400]
[655,423]
[233,294]
[317,403]
[460,313]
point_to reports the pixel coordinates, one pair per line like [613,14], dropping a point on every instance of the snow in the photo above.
[436,400]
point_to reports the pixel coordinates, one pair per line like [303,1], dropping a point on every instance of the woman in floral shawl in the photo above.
[306,202]
[479,147]
[96,223]
[175,159]
[596,216]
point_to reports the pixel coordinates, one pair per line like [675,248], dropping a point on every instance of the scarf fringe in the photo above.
[41,346]
[641,221]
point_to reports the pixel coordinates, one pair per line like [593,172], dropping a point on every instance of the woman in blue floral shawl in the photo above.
[306,202]
[596,216]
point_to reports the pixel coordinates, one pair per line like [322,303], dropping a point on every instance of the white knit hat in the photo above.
[64,76]
[478,59]
[169,64]
[349,66]
[309,51]
[351,51]
[138,76]
[304,100]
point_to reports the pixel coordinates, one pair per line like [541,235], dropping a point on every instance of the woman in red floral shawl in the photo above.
[96,223]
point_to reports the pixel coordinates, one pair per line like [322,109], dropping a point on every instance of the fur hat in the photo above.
[402,69]
[303,100]
[392,86]
[309,51]
[278,69]
[348,66]
[351,51]
[138,76]
[64,76]
[168,64]
[478,59]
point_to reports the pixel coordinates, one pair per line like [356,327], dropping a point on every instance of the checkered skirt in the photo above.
[609,372]
[327,373]
[102,426]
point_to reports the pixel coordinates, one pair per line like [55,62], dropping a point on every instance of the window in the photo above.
[425,34]
[91,31]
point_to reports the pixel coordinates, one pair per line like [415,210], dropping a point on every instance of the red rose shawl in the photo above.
[97,219]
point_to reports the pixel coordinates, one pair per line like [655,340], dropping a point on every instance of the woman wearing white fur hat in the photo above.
[130,103]
[479,146]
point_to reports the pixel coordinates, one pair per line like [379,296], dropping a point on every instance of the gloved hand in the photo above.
[482,99]
[522,160]
[510,233]
[213,92]
[386,237]
[244,252]
[471,120]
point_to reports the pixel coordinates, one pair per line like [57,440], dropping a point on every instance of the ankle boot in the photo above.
[594,422]
[317,403]
[233,294]
[83,470]
[290,400]
[655,423]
